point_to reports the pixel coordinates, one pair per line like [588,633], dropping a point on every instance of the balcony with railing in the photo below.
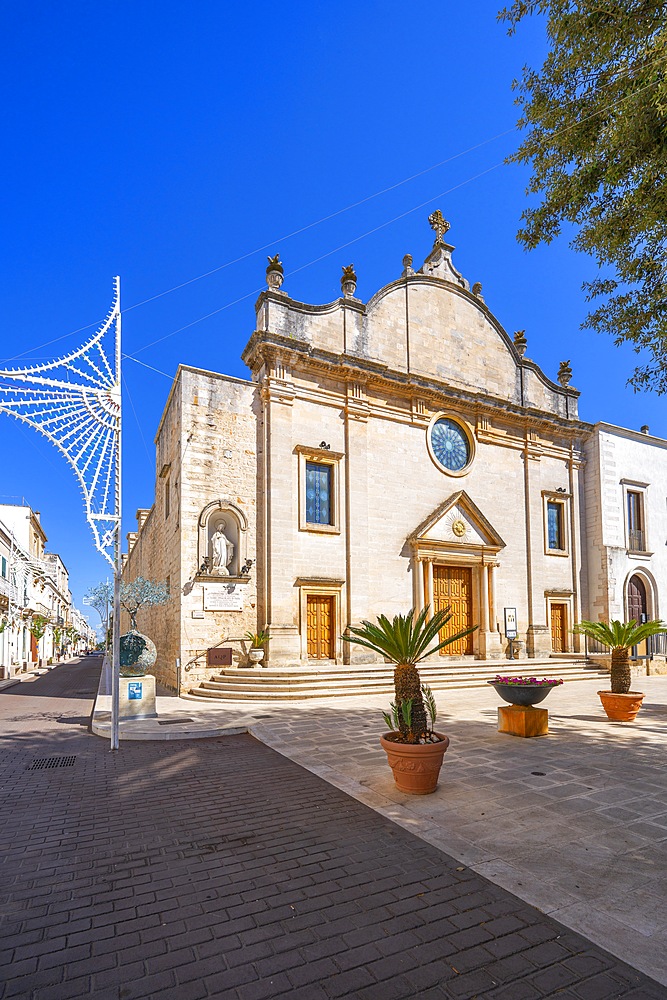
[656,645]
[636,540]
[8,590]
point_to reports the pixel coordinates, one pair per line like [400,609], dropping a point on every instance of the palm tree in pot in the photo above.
[620,703]
[405,640]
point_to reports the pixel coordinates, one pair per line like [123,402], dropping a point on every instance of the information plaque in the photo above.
[223,597]
[510,623]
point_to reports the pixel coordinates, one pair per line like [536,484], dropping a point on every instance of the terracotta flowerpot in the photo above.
[416,766]
[621,707]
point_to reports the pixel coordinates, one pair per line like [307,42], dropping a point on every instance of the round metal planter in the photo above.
[522,694]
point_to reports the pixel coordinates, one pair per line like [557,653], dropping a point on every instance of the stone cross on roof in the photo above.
[438,224]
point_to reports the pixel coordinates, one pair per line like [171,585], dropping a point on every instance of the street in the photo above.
[219,868]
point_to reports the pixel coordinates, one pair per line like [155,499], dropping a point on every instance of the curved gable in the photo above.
[427,324]
[431,327]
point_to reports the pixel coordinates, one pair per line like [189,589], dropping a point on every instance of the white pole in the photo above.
[115,662]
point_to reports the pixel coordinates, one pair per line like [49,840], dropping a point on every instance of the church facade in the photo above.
[385,455]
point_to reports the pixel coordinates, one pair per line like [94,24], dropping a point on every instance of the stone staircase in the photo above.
[311,681]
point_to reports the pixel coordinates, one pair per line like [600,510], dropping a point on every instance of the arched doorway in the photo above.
[637,601]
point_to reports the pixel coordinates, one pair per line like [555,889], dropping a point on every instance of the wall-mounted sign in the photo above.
[218,656]
[223,597]
[135,691]
[510,623]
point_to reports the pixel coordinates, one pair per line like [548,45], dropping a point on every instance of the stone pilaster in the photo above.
[357,548]
[281,486]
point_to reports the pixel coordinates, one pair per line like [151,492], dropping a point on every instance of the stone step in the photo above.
[245,685]
[374,671]
[269,682]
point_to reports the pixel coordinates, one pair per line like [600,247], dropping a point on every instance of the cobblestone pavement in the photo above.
[219,868]
[575,823]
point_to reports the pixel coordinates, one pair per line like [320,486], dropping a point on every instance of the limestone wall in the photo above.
[154,552]
[205,452]
[219,463]
[387,484]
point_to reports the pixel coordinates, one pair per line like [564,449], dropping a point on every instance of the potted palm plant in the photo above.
[620,703]
[414,749]
[257,640]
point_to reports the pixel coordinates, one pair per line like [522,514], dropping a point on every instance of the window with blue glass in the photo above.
[319,500]
[555,529]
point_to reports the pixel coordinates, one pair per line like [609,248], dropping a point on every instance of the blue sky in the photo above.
[161,141]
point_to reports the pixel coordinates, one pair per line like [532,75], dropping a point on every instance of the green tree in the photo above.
[37,626]
[595,116]
[101,598]
[57,639]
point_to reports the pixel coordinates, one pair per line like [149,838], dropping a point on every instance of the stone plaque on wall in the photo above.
[223,597]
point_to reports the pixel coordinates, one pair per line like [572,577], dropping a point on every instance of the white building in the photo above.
[34,594]
[626,524]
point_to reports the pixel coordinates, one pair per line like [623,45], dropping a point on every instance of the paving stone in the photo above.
[264,989]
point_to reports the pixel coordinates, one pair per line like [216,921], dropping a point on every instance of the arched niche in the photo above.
[222,541]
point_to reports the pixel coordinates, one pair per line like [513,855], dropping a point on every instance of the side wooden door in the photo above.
[320,626]
[559,628]
[452,588]
[637,607]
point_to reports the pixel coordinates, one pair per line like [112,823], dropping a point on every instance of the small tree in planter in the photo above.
[405,641]
[621,704]
[57,640]
[37,628]
[137,652]
[257,640]
[73,637]
[101,598]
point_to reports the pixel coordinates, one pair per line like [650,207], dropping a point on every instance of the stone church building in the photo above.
[386,455]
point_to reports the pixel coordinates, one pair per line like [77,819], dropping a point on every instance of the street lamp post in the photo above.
[75,402]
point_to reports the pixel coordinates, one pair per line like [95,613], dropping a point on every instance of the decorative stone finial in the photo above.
[275,274]
[407,265]
[564,373]
[520,342]
[349,281]
[439,225]
[477,290]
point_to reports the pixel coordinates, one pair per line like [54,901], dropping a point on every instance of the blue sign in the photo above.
[135,691]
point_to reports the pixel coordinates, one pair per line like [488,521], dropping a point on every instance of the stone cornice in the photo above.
[323,453]
[352,367]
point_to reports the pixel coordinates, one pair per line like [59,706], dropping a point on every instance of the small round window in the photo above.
[450,445]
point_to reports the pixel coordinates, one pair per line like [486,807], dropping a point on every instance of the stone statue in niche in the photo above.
[222,551]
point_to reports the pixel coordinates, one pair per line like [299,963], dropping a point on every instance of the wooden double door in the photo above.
[452,588]
[320,626]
